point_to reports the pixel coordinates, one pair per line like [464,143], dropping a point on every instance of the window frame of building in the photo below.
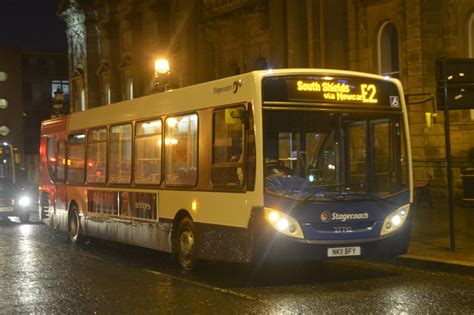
[63,85]
[3,103]
[470,34]
[108,94]
[382,59]
[83,99]
[130,89]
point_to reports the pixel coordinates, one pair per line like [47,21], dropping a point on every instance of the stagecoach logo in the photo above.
[325,217]
[236,85]
[224,89]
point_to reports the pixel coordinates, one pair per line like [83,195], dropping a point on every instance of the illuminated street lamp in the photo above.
[161,77]
[58,103]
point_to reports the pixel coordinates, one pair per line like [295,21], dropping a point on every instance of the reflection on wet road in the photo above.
[40,272]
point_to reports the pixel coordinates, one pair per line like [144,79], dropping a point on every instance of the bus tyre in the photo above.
[186,249]
[73,225]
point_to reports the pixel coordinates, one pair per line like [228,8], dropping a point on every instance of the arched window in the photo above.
[388,59]
[107,95]
[130,89]
[471,36]
[470,33]
[83,100]
[3,103]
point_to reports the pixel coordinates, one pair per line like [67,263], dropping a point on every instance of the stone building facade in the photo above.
[11,98]
[113,45]
[26,98]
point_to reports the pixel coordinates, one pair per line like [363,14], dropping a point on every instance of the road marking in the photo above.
[207,286]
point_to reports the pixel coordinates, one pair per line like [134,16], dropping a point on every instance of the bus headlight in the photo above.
[24,201]
[283,223]
[395,220]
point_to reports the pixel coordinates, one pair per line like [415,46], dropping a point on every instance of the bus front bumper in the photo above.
[273,247]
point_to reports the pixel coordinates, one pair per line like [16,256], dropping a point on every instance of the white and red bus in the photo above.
[282,165]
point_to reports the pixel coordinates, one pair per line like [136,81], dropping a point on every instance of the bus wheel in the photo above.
[73,225]
[186,244]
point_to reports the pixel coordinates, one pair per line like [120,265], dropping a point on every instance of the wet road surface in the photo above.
[41,273]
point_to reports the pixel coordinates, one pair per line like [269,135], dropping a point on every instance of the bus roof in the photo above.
[235,89]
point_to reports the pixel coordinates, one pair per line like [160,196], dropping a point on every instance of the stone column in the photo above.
[296,34]
[277,28]
[92,63]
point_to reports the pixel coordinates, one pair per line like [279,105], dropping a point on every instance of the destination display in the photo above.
[333,90]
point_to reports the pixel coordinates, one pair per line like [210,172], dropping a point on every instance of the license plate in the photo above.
[2,209]
[344,251]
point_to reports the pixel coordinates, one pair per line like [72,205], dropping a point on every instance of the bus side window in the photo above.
[227,148]
[76,158]
[181,141]
[51,156]
[148,152]
[61,161]
[120,158]
[96,155]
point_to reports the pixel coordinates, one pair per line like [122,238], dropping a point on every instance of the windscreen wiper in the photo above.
[300,201]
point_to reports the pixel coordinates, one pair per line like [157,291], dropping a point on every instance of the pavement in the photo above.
[430,243]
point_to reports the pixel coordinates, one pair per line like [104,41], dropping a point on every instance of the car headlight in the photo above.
[395,220]
[24,201]
[283,223]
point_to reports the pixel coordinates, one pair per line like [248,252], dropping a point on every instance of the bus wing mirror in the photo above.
[245,118]
[314,175]
[236,115]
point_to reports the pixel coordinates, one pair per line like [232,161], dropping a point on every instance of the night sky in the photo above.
[31,24]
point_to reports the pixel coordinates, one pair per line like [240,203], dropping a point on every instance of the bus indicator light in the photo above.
[194,205]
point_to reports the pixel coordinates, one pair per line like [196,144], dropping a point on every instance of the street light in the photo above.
[161,77]
[58,103]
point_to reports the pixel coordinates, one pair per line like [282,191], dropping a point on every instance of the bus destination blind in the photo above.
[337,90]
